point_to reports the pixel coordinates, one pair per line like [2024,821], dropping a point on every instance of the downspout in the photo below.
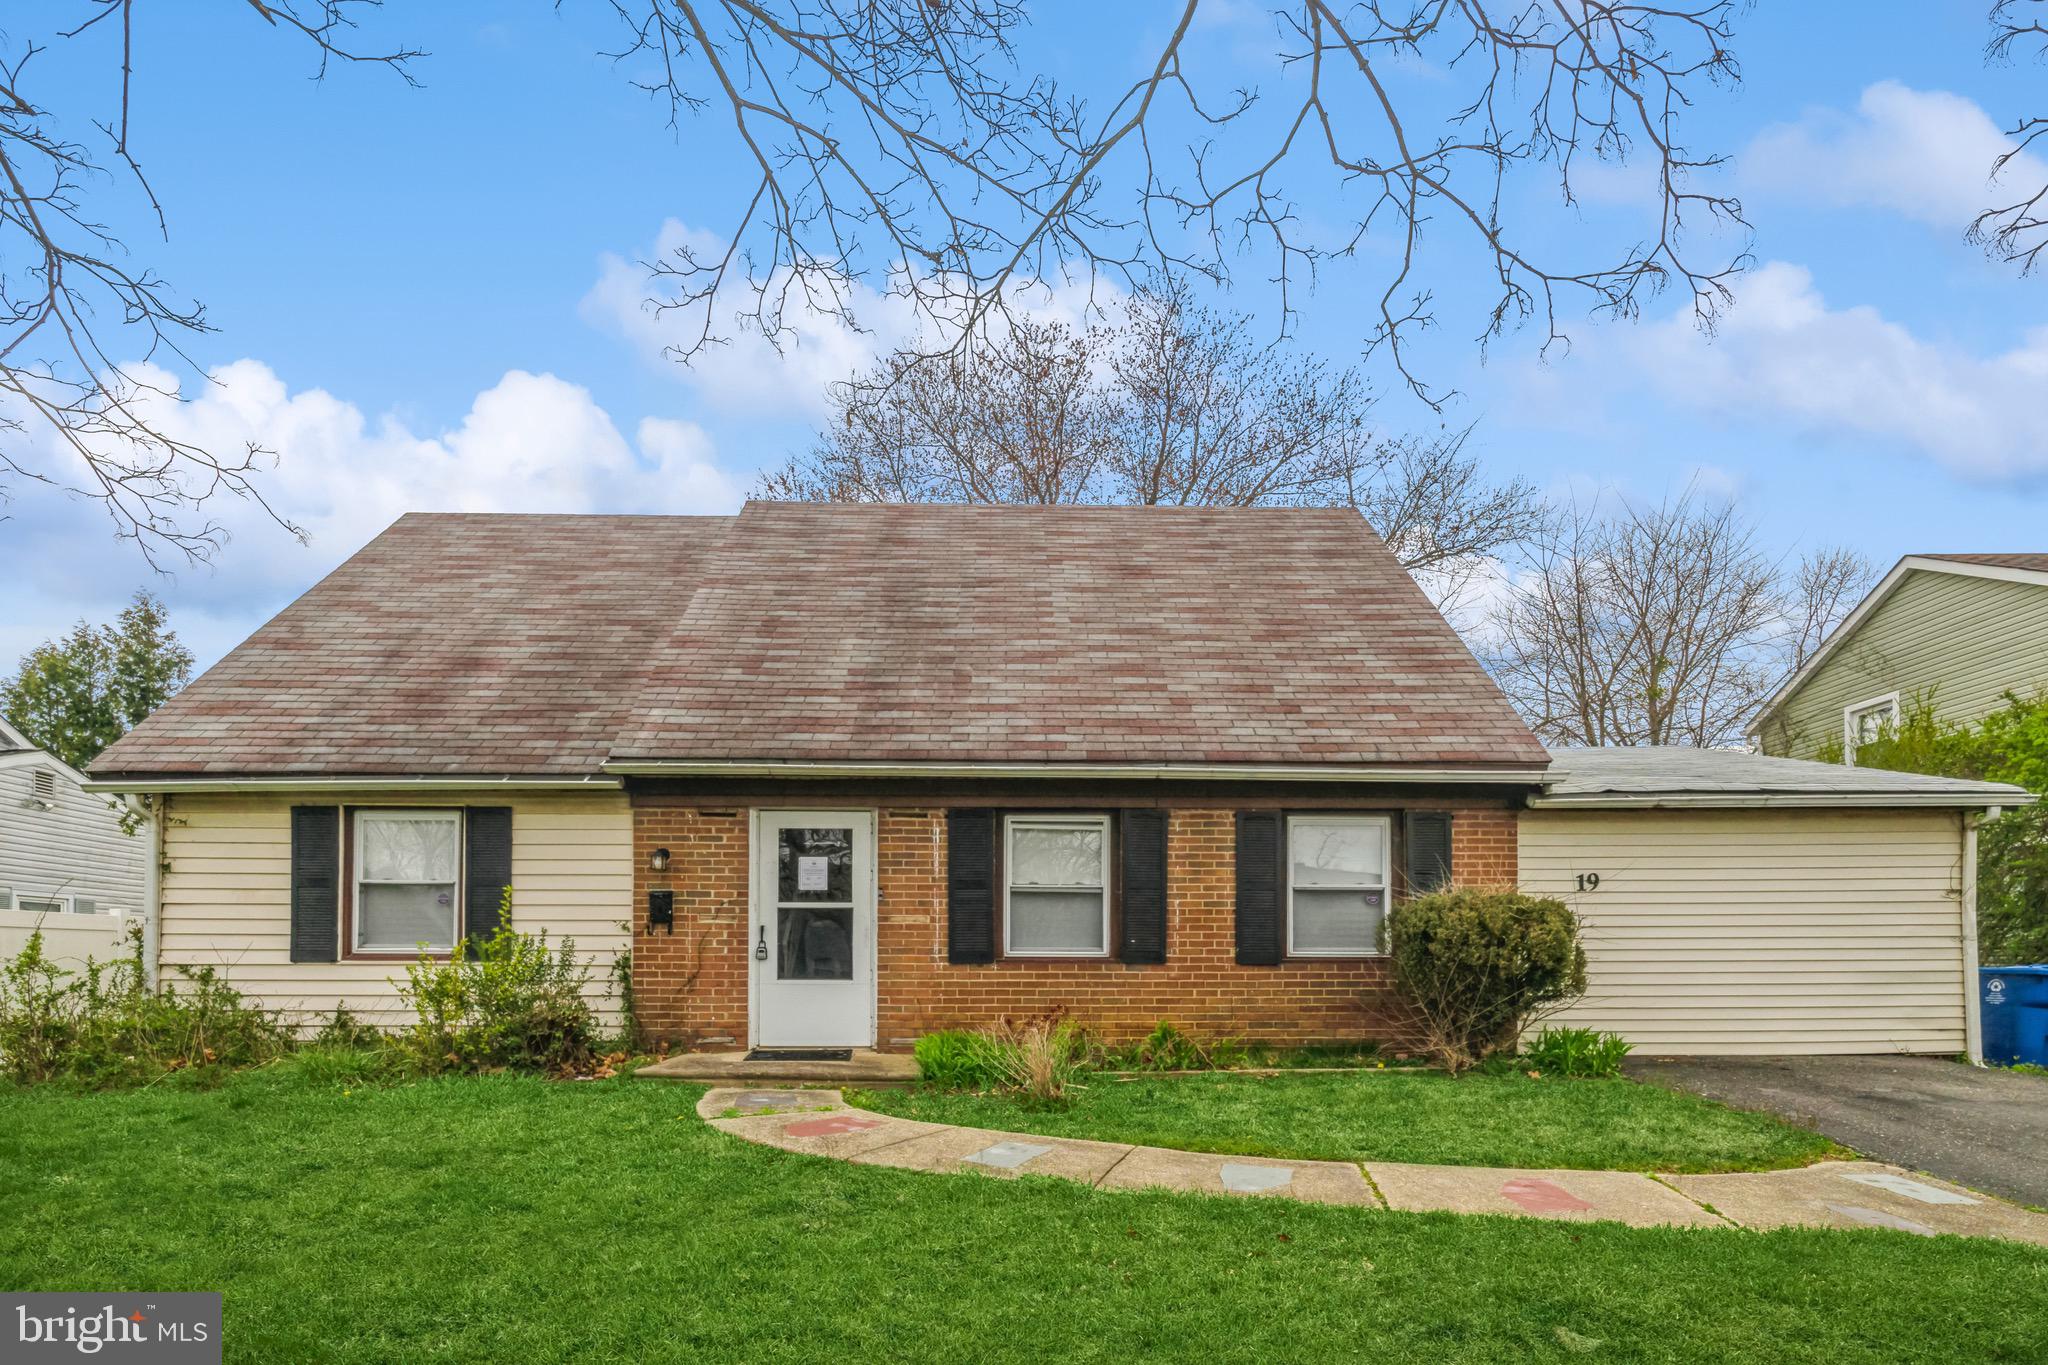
[1973,1008]
[152,889]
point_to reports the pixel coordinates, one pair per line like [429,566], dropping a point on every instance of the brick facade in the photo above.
[690,988]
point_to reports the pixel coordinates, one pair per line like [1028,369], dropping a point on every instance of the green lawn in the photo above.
[510,1219]
[1399,1116]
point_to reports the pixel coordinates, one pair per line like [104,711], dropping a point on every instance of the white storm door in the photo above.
[813,941]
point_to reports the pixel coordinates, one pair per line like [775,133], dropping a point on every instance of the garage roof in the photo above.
[1673,776]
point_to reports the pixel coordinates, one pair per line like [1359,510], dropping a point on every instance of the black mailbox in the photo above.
[661,911]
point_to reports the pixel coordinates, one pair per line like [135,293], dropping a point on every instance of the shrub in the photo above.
[104,1025]
[514,1003]
[1037,1059]
[1577,1052]
[1166,1048]
[1475,966]
[955,1059]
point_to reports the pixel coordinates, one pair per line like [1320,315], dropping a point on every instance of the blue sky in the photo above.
[429,298]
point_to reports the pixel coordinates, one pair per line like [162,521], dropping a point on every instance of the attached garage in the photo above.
[1738,904]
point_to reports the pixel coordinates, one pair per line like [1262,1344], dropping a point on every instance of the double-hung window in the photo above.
[1337,884]
[1867,721]
[408,872]
[1056,886]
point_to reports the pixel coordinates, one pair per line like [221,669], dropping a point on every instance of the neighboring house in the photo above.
[66,864]
[841,775]
[1954,631]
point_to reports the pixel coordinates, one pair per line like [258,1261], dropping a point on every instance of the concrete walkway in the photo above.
[1841,1194]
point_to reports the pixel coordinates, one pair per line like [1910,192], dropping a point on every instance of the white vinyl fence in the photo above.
[70,938]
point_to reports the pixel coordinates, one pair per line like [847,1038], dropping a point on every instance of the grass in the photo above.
[505,1218]
[1399,1116]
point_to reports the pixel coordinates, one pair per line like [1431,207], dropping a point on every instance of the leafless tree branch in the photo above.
[83,330]
[2017,230]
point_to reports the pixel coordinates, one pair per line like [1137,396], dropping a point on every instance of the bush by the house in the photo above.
[513,1002]
[1577,1053]
[1475,966]
[1169,1048]
[103,1025]
[1037,1060]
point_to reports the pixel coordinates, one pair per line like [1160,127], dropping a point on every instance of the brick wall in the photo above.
[692,988]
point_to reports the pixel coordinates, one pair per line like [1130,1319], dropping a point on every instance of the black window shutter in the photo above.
[1428,836]
[970,886]
[1261,893]
[1143,840]
[487,867]
[316,883]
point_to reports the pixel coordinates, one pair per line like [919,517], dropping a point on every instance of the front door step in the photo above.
[801,1054]
[860,1067]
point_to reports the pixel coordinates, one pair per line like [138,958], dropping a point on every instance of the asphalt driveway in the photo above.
[1982,1127]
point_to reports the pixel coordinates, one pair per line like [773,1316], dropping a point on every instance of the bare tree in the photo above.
[82,328]
[1658,625]
[2018,230]
[1166,402]
[904,143]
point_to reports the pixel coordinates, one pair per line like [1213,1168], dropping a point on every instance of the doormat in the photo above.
[801,1054]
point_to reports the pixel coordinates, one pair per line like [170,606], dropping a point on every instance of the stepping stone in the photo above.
[1544,1197]
[1877,1218]
[1575,1196]
[1315,1182]
[830,1126]
[1239,1178]
[1007,1156]
[1912,1189]
[723,1101]
[1814,1197]
[952,1150]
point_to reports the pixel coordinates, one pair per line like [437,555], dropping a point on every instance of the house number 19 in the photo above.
[1589,881]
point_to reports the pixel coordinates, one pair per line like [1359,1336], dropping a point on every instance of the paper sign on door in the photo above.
[810,873]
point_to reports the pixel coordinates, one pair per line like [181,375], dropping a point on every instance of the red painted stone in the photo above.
[1543,1196]
[831,1126]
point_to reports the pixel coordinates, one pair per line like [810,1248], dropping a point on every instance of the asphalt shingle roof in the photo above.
[452,643]
[2038,563]
[541,645]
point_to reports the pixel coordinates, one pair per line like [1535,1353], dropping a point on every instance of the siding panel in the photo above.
[1762,932]
[226,895]
[1966,640]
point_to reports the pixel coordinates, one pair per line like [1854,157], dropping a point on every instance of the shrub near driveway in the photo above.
[1474,1120]
[509,1218]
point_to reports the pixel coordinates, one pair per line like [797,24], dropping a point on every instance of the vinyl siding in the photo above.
[76,850]
[1766,931]
[227,893]
[1964,641]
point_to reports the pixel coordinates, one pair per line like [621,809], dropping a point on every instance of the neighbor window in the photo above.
[1868,720]
[1337,884]
[45,905]
[1056,879]
[407,870]
[6,898]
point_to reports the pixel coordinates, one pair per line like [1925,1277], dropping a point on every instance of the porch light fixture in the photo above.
[659,862]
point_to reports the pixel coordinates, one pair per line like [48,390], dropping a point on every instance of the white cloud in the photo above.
[529,443]
[1924,154]
[746,375]
[1782,355]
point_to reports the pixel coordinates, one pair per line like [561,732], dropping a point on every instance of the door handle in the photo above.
[761,946]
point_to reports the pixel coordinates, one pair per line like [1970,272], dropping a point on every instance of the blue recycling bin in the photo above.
[2015,1012]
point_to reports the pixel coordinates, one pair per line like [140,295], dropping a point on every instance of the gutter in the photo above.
[1239,772]
[362,784]
[1973,994]
[1963,800]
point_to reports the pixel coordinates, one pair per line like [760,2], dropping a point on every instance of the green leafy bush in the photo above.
[1577,1053]
[955,1059]
[1475,966]
[516,1003]
[104,1026]
[1167,1048]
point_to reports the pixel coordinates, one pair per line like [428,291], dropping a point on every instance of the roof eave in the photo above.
[1528,776]
[1973,800]
[140,784]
